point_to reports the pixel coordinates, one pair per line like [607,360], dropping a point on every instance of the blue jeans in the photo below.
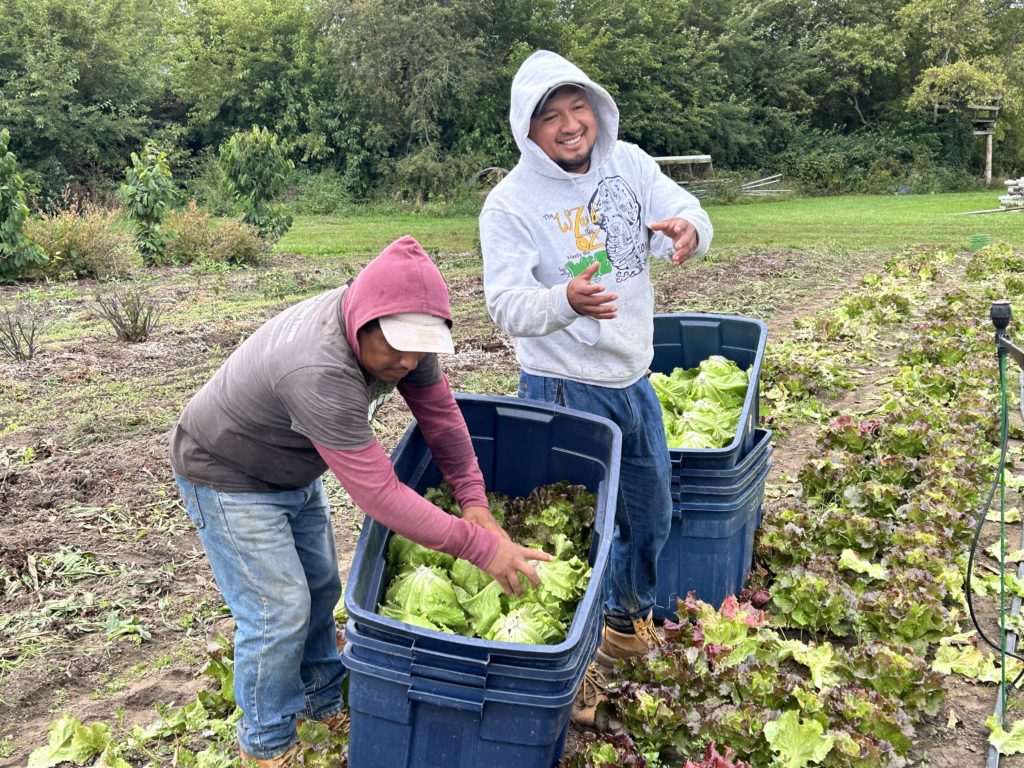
[643,514]
[274,560]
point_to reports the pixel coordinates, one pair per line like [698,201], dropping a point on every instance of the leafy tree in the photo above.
[409,74]
[662,71]
[246,62]
[256,168]
[147,192]
[78,81]
[17,253]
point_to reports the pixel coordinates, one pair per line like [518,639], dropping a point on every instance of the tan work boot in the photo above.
[285,760]
[592,691]
[617,645]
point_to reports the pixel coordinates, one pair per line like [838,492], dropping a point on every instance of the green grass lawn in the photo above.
[859,222]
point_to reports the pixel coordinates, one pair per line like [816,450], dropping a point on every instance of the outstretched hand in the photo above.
[588,298]
[682,234]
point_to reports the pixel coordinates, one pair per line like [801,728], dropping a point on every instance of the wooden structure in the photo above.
[983,121]
[683,168]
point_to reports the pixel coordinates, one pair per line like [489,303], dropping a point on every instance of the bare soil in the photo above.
[97,480]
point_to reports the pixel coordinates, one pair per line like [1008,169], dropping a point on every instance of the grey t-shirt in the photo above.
[294,382]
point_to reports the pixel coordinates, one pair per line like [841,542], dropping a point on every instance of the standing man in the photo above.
[566,238]
[248,454]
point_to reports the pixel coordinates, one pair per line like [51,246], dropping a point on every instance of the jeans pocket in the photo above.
[192,508]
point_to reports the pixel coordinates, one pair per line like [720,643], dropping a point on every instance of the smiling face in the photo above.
[381,359]
[565,129]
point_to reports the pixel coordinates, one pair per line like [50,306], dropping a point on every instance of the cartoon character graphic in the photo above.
[616,210]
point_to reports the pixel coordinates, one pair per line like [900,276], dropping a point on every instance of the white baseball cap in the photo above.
[417,332]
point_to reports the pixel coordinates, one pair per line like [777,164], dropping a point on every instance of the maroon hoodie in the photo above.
[293,400]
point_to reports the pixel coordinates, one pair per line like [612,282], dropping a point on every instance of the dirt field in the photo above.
[112,634]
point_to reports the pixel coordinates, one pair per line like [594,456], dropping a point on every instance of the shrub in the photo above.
[20,329]
[256,169]
[208,188]
[18,254]
[236,242]
[129,312]
[83,240]
[147,192]
[197,238]
[192,231]
[318,193]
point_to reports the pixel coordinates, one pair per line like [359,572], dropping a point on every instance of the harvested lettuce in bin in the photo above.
[439,592]
[701,407]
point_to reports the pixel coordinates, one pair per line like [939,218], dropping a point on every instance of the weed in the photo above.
[130,313]
[21,329]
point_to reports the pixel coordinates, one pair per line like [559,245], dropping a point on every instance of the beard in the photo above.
[579,164]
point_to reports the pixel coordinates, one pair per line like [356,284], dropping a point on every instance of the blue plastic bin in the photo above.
[519,444]
[494,676]
[683,341]
[400,720]
[722,486]
[710,546]
[685,478]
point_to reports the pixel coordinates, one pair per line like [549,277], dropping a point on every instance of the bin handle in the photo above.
[476,707]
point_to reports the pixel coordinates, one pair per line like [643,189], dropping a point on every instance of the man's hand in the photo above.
[482,516]
[682,234]
[589,299]
[511,560]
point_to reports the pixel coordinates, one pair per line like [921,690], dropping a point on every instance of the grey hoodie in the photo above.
[542,225]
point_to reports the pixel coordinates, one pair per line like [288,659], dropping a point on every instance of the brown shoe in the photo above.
[617,645]
[287,759]
[592,691]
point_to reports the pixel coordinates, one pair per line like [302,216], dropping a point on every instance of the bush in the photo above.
[129,312]
[876,162]
[317,193]
[83,240]
[197,238]
[256,168]
[238,243]
[147,192]
[427,175]
[18,254]
[20,329]
[207,187]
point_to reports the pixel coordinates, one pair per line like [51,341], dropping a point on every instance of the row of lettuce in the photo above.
[856,610]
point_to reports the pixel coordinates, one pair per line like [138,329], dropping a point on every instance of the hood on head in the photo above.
[401,279]
[541,72]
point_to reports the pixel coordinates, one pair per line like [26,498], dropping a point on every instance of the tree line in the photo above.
[411,97]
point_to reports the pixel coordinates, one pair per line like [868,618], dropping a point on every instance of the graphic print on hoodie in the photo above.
[541,226]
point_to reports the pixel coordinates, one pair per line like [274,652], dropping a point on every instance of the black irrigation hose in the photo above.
[981,522]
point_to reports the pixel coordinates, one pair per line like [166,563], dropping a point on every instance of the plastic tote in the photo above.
[683,341]
[423,698]
[403,720]
[710,547]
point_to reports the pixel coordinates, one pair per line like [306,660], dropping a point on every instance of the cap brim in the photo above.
[550,91]
[412,337]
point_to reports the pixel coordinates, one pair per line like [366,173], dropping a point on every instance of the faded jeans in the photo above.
[643,514]
[274,560]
